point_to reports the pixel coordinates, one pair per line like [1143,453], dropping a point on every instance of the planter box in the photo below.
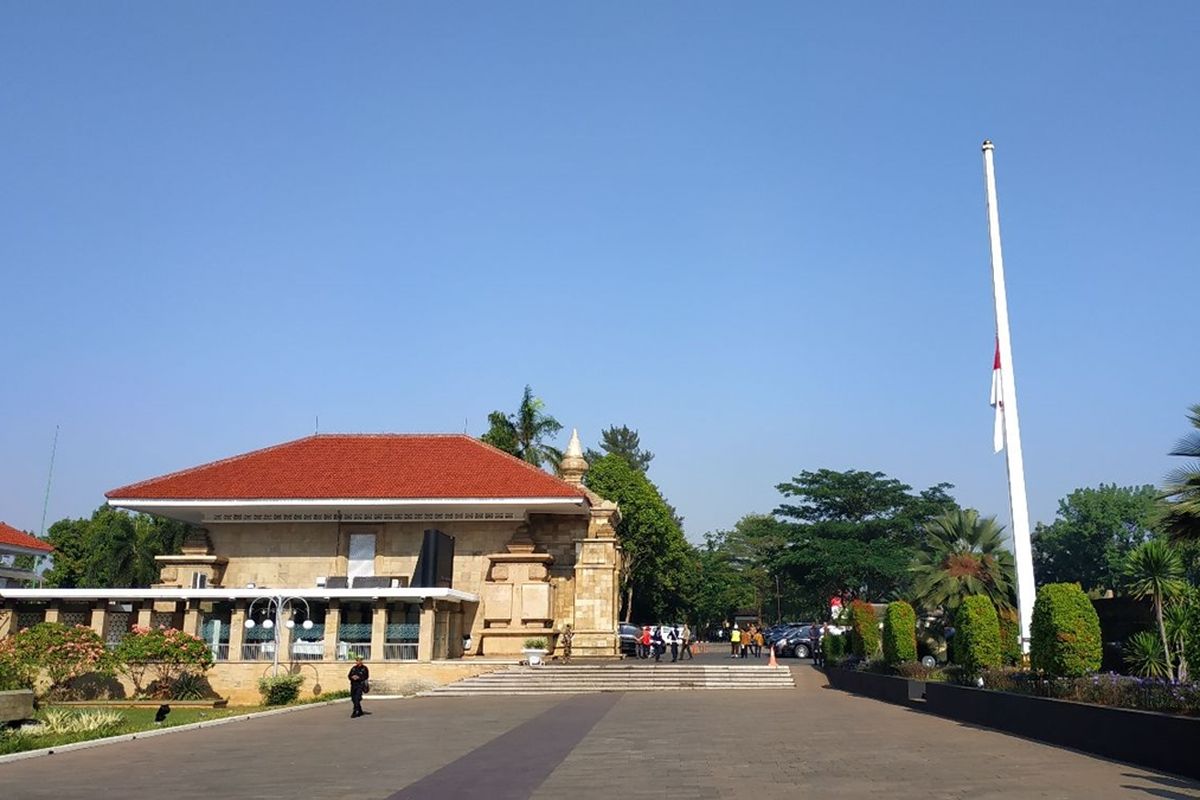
[1159,741]
[888,688]
[15,705]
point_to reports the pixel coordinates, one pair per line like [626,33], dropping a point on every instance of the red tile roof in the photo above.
[15,538]
[358,466]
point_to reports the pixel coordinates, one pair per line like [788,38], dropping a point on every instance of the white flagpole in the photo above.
[1019,507]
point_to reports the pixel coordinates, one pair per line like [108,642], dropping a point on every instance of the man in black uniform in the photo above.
[359,675]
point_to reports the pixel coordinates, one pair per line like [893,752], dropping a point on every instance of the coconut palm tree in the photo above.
[963,555]
[1182,492]
[1154,569]
[522,434]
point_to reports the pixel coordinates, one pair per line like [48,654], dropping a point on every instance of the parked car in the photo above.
[629,634]
[795,642]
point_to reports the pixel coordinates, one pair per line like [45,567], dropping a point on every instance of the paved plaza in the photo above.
[808,742]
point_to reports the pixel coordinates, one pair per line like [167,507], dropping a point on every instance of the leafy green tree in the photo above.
[721,587]
[853,534]
[1182,492]
[659,562]
[899,633]
[1155,570]
[112,548]
[625,442]
[523,434]
[963,555]
[864,630]
[1093,533]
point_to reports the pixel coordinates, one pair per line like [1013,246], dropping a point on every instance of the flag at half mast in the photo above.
[998,400]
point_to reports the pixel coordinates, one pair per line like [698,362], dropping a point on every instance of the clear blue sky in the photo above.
[755,233]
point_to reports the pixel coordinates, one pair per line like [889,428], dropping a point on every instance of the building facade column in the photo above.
[379,616]
[8,617]
[145,612]
[99,617]
[455,644]
[237,630]
[52,610]
[332,619]
[191,617]
[425,637]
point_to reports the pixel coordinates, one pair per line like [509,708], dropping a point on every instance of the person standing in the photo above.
[673,636]
[735,640]
[644,643]
[567,636]
[360,678]
[686,638]
[759,640]
[659,647]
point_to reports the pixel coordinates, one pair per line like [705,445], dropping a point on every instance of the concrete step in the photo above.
[585,678]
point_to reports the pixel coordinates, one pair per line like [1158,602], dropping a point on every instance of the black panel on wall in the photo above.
[435,565]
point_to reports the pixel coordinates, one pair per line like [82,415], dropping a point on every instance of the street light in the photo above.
[282,605]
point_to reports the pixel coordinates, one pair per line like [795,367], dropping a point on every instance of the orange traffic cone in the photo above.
[772,662]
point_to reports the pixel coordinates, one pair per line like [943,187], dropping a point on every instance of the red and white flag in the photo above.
[997,401]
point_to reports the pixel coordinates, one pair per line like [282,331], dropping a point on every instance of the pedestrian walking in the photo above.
[360,684]
[566,637]
[673,636]
[686,639]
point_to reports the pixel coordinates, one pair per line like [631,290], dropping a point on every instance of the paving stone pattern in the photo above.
[808,742]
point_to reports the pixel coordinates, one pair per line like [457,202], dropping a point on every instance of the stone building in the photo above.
[316,550]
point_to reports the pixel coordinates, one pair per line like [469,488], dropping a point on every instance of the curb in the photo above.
[191,726]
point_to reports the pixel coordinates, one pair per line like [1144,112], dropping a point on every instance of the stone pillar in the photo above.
[378,629]
[8,617]
[99,617]
[425,638]
[456,631]
[191,617]
[237,630]
[332,618]
[145,611]
[52,611]
[597,584]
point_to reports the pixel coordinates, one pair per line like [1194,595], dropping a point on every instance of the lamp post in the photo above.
[282,605]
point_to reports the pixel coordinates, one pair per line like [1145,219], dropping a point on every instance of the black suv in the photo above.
[629,636]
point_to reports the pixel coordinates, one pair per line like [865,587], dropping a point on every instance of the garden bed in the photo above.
[1149,739]
[218,703]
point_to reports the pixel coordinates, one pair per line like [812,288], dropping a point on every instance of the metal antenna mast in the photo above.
[49,478]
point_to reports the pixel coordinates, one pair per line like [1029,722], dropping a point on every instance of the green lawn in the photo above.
[133,720]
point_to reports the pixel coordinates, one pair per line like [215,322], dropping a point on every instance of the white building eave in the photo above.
[353,509]
[307,593]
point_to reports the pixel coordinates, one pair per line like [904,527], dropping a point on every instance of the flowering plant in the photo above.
[167,653]
[59,652]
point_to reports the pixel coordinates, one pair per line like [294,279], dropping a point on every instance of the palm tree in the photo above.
[522,434]
[1182,492]
[1154,569]
[963,555]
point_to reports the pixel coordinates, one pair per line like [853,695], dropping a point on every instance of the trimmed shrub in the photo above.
[899,633]
[1010,637]
[976,635]
[279,690]
[1065,632]
[834,647]
[864,630]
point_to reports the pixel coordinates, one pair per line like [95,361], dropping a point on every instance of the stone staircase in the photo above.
[583,678]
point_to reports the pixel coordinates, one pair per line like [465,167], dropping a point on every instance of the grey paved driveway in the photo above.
[811,742]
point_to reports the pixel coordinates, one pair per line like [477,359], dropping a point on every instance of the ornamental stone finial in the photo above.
[573,466]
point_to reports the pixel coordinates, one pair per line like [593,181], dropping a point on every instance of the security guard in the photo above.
[359,677]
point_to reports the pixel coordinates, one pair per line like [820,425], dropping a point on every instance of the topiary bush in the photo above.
[1065,632]
[279,690]
[834,647]
[1010,637]
[976,635]
[864,630]
[899,633]
[166,653]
